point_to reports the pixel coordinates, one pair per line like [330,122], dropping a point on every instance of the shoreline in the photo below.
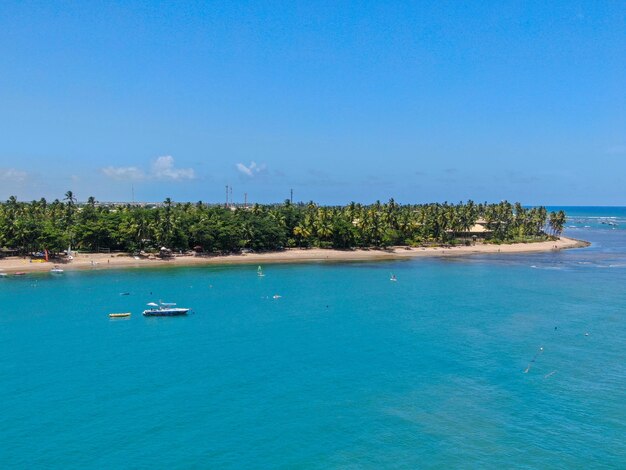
[99,261]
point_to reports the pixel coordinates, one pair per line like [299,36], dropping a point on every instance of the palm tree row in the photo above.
[38,225]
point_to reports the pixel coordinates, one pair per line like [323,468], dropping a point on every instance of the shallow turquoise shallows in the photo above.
[492,361]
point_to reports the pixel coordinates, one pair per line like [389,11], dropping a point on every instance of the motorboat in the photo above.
[259,272]
[164,309]
[56,270]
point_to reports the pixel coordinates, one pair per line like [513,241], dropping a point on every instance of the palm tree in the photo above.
[304,230]
[557,222]
[39,224]
[70,198]
[323,224]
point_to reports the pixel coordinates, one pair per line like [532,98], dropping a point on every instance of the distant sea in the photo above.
[487,361]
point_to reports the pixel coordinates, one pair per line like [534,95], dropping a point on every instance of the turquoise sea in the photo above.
[345,370]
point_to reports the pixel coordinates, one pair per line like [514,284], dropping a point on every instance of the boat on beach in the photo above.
[119,315]
[56,270]
[164,309]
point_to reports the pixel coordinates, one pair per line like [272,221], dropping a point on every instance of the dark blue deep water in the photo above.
[346,370]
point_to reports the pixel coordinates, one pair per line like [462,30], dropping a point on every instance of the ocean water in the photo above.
[492,361]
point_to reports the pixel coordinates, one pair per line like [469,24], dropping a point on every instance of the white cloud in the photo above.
[251,169]
[11,174]
[162,168]
[123,173]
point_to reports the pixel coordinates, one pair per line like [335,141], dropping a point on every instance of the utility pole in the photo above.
[226,205]
[291,196]
[245,200]
[231,196]
[132,189]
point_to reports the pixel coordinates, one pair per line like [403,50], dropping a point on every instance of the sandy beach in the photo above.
[122,260]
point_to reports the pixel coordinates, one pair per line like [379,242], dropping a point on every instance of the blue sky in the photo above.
[420,101]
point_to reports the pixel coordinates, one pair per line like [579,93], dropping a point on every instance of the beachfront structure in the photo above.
[477,231]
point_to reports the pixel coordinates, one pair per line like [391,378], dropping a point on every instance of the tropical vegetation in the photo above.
[91,226]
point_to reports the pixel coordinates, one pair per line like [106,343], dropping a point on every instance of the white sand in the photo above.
[108,261]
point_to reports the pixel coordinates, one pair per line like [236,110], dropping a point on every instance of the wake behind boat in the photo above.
[164,309]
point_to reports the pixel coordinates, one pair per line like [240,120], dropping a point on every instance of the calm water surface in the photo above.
[345,370]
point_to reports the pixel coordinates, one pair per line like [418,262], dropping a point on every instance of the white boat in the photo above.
[393,278]
[3,274]
[56,270]
[119,315]
[259,272]
[164,309]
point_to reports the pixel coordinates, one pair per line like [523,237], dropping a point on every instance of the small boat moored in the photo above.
[56,270]
[164,309]
[119,315]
